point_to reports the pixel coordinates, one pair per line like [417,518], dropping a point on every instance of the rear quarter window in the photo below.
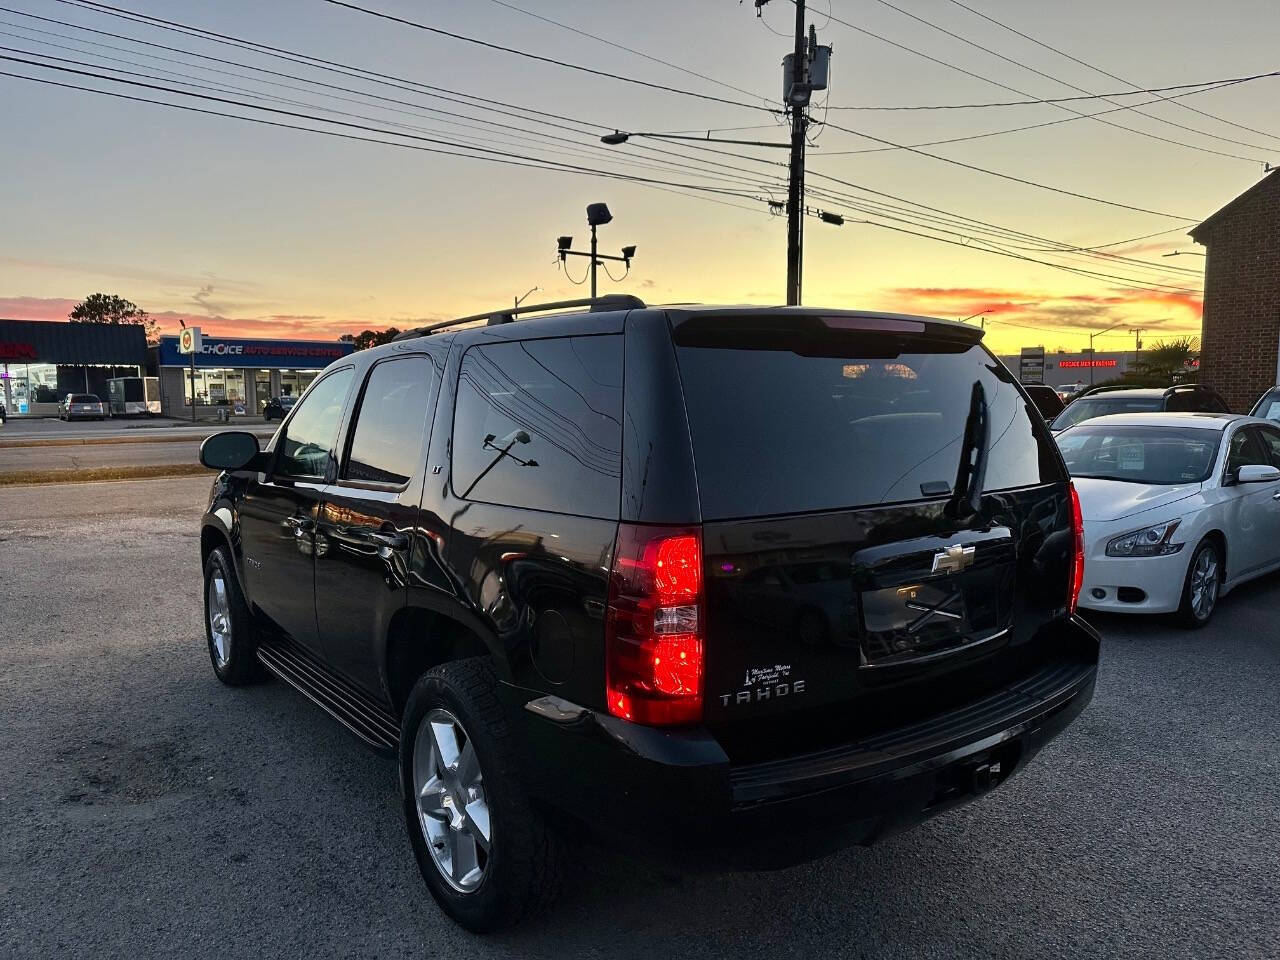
[856,421]
[538,424]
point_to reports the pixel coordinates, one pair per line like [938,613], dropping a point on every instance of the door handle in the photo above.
[301,526]
[392,541]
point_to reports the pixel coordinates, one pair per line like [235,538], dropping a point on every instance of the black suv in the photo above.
[1102,401]
[745,585]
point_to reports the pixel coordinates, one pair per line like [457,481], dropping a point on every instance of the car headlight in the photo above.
[1150,541]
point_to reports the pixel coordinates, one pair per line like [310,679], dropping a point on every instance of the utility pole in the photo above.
[798,98]
[1137,338]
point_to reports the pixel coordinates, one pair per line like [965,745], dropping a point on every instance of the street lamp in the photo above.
[521,299]
[617,138]
[1098,334]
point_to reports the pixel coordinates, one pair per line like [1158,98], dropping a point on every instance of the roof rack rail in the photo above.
[612,301]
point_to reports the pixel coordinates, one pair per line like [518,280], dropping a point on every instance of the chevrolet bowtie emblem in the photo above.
[953,559]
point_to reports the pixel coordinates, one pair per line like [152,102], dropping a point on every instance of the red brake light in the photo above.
[653,633]
[1077,557]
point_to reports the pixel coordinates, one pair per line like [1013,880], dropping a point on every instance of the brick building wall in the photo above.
[1240,338]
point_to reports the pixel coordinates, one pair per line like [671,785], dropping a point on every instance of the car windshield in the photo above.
[1269,406]
[1091,407]
[1140,454]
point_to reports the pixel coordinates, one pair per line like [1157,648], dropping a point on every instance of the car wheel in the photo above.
[487,856]
[228,625]
[1203,582]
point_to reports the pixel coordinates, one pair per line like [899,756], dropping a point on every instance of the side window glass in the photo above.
[1185,403]
[1245,449]
[386,445]
[307,444]
[538,424]
[1271,440]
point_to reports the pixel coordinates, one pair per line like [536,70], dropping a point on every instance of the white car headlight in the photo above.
[1150,541]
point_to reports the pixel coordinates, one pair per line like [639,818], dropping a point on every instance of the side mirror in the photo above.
[229,450]
[1257,473]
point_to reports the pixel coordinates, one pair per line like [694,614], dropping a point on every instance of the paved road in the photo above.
[149,811]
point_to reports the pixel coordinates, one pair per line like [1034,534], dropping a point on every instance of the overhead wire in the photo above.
[1012,89]
[1105,73]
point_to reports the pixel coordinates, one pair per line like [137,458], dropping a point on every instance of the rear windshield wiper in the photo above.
[966,494]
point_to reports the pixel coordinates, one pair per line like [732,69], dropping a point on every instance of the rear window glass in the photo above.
[1140,454]
[84,398]
[538,424]
[852,420]
[1087,409]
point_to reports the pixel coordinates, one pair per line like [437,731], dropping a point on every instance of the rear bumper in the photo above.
[677,792]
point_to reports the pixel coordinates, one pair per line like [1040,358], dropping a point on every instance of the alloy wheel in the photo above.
[453,809]
[219,607]
[1204,583]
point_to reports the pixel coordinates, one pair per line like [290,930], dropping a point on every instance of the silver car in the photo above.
[81,406]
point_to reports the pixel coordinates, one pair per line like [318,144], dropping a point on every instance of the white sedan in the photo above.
[1178,508]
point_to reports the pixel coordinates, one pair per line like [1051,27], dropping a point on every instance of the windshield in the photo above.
[1138,454]
[1092,407]
[854,421]
[1268,407]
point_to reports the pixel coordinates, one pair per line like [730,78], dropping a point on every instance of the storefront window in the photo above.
[294,382]
[216,387]
[261,388]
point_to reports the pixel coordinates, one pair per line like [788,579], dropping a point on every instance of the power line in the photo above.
[1022,93]
[347,70]
[1067,83]
[1009,176]
[1096,69]
[1050,100]
[388,80]
[1037,126]
[631,50]
[500,156]
[538,57]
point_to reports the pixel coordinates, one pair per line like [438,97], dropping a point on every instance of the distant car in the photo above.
[1069,391]
[1103,401]
[81,406]
[1178,509]
[277,407]
[1045,398]
[1268,405]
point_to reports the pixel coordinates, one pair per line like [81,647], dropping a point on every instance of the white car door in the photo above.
[1270,437]
[1253,521]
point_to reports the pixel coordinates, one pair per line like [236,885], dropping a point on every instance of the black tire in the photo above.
[1190,613]
[523,866]
[240,665]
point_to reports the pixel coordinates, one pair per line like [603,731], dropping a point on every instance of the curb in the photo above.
[31,478]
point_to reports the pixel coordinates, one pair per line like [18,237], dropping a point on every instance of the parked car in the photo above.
[518,566]
[1103,401]
[1268,405]
[1045,398]
[1178,509]
[81,406]
[277,407]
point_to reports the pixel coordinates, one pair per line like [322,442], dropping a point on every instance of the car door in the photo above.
[279,508]
[1252,529]
[1270,437]
[368,514]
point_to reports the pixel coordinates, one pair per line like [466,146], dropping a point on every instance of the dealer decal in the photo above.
[764,683]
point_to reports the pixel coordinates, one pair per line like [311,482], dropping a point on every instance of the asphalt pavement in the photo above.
[149,811]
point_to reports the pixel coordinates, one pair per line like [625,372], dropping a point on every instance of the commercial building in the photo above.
[1240,338]
[239,374]
[1062,368]
[41,361]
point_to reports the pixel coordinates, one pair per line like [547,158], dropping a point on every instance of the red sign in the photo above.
[17,351]
[1070,364]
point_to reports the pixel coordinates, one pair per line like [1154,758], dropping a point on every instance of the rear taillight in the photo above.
[654,630]
[1077,553]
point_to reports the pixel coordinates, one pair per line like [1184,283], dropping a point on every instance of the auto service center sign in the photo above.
[231,352]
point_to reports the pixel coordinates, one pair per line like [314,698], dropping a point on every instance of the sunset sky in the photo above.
[259,231]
